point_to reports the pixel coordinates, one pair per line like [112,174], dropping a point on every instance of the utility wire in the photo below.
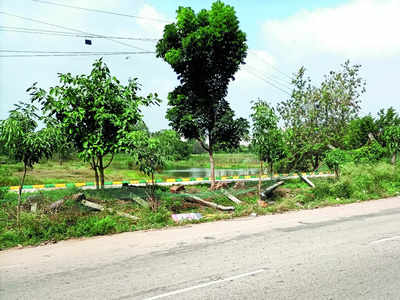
[73,54]
[95,52]
[273,66]
[270,77]
[102,11]
[70,34]
[68,28]
[267,81]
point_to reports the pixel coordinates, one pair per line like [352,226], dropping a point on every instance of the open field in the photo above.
[122,168]
[357,183]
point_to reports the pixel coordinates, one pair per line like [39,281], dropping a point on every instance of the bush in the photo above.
[368,154]
[334,159]
[6,178]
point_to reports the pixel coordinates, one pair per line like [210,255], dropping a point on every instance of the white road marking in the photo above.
[386,240]
[204,285]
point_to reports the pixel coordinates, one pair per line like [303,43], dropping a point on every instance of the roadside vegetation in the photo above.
[89,128]
[357,183]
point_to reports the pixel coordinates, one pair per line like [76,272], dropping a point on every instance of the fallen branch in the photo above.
[210,204]
[140,201]
[330,146]
[371,137]
[102,208]
[55,206]
[270,189]
[231,197]
[308,181]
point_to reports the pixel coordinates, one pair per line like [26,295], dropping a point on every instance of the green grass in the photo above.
[222,161]
[357,183]
[122,168]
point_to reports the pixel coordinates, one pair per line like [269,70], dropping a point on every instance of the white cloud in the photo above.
[150,24]
[260,71]
[358,29]
[258,61]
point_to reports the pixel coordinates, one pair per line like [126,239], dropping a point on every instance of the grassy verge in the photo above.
[357,183]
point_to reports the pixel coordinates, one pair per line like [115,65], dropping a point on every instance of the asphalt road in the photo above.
[345,252]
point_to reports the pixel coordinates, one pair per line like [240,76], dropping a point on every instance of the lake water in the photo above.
[205,172]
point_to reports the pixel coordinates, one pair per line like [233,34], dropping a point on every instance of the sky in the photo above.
[282,36]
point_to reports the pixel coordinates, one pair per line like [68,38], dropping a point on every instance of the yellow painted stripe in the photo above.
[276,175]
[14,187]
[224,177]
[304,174]
[38,186]
[235,177]
[295,174]
[199,179]
[247,177]
[80,184]
[134,181]
[185,179]
[117,182]
[60,185]
[171,180]
[285,174]
[148,181]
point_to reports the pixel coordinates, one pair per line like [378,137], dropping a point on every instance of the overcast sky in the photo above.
[282,37]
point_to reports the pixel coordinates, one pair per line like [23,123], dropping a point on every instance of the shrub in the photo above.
[369,153]
[334,159]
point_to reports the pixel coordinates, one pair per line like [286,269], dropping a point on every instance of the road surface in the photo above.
[344,252]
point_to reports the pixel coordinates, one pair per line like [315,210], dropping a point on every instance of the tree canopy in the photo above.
[95,112]
[205,50]
[317,117]
[24,142]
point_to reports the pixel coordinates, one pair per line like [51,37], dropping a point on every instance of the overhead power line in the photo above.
[60,53]
[50,51]
[267,81]
[71,34]
[273,66]
[270,77]
[68,28]
[102,11]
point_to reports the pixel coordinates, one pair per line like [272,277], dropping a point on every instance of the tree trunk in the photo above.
[154,204]
[259,178]
[337,174]
[316,162]
[96,173]
[394,158]
[96,176]
[101,171]
[212,167]
[20,198]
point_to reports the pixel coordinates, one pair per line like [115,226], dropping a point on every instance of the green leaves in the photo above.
[95,111]
[205,50]
[21,138]
[392,138]
[334,159]
[267,141]
[319,115]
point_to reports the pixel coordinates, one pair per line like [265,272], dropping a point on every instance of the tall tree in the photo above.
[267,141]
[205,50]
[23,142]
[95,112]
[318,116]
